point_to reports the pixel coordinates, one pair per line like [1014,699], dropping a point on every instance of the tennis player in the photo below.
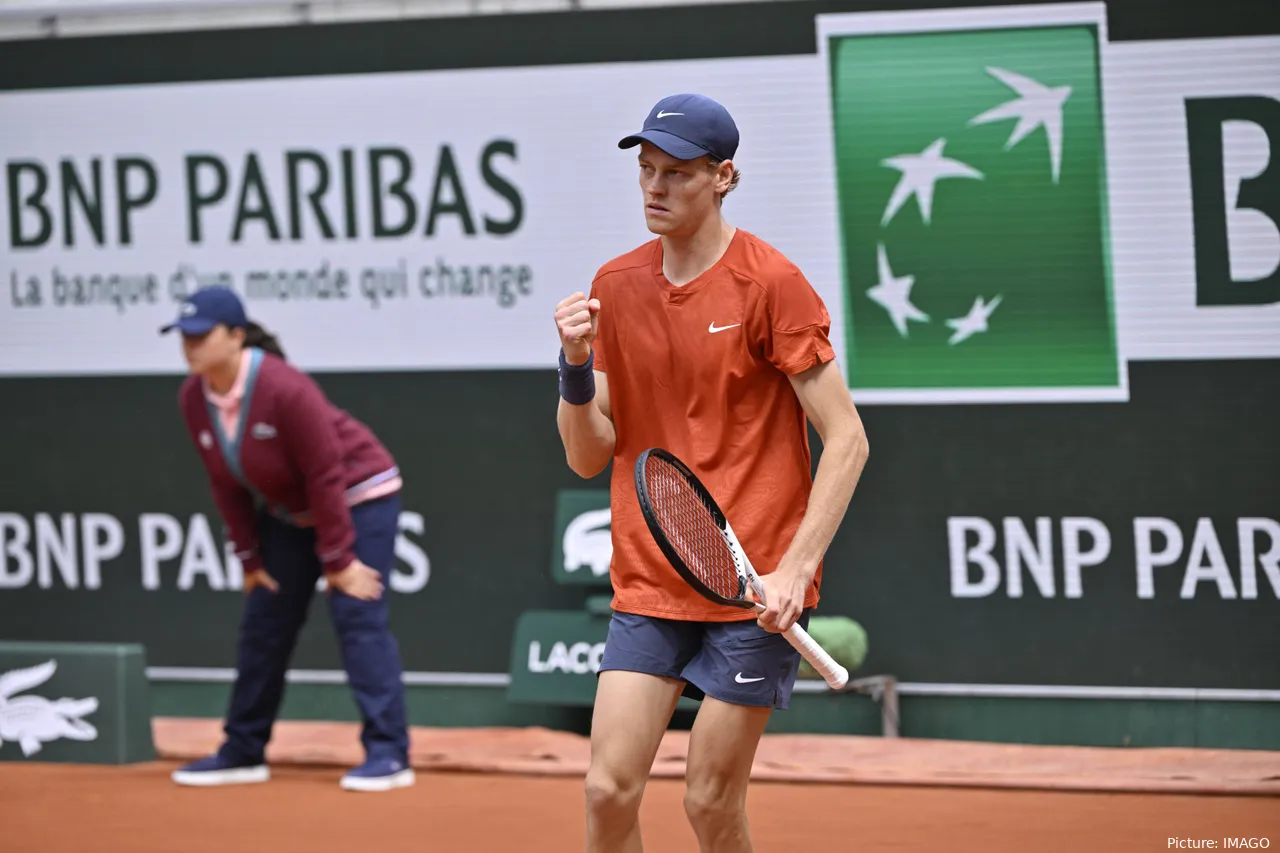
[305,491]
[708,342]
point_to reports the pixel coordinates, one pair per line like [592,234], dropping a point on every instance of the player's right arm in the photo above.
[585,419]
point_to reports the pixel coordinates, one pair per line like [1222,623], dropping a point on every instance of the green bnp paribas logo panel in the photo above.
[972,191]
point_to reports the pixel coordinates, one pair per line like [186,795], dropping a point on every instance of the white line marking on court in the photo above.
[905,688]
[1067,691]
[331,676]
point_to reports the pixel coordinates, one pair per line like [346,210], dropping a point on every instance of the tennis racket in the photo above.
[697,540]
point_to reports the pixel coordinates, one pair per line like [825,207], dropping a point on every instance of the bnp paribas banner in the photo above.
[1024,207]
[996,204]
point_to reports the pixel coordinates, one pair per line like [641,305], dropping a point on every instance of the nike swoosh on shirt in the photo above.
[713,328]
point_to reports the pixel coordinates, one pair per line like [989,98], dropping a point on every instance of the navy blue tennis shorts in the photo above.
[735,662]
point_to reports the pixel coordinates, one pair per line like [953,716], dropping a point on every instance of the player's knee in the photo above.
[714,806]
[611,797]
[353,616]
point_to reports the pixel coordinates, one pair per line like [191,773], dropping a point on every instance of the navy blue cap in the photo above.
[206,308]
[688,127]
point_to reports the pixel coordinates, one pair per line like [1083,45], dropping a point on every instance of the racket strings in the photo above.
[690,528]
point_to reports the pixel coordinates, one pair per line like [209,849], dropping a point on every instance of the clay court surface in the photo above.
[879,794]
[60,809]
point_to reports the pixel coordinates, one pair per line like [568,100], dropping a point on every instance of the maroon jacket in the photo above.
[304,458]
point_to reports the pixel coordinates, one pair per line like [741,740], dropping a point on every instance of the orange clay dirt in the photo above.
[49,808]
[520,791]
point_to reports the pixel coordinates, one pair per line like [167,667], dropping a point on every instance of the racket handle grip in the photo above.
[833,673]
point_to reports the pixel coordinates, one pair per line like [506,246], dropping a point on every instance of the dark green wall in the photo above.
[483,463]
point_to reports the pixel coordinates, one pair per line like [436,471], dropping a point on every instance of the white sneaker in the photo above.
[215,770]
[378,774]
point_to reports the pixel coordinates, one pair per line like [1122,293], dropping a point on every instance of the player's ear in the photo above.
[724,175]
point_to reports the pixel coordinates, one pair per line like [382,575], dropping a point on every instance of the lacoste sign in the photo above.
[555,655]
[582,547]
[578,658]
[30,720]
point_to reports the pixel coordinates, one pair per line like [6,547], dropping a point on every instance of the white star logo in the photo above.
[920,172]
[893,294]
[1037,105]
[973,322]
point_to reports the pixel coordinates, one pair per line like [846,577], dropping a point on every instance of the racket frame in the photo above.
[835,675]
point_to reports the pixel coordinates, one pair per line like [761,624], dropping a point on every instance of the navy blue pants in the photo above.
[271,621]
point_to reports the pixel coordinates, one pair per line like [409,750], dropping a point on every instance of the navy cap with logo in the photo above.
[206,308]
[688,127]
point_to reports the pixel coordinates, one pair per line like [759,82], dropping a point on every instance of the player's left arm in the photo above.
[826,401]
[796,338]
[822,392]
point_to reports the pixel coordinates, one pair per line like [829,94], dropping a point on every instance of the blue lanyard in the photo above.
[231,446]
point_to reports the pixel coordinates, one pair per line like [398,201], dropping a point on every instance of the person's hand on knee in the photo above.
[257,578]
[358,581]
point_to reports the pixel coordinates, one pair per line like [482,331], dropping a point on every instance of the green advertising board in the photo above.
[555,655]
[80,703]
[555,658]
[972,186]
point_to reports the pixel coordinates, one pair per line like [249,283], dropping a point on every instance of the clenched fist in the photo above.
[576,319]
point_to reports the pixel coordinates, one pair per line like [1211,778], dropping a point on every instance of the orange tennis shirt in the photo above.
[702,370]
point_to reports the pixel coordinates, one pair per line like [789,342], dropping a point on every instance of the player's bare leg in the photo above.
[631,714]
[722,747]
